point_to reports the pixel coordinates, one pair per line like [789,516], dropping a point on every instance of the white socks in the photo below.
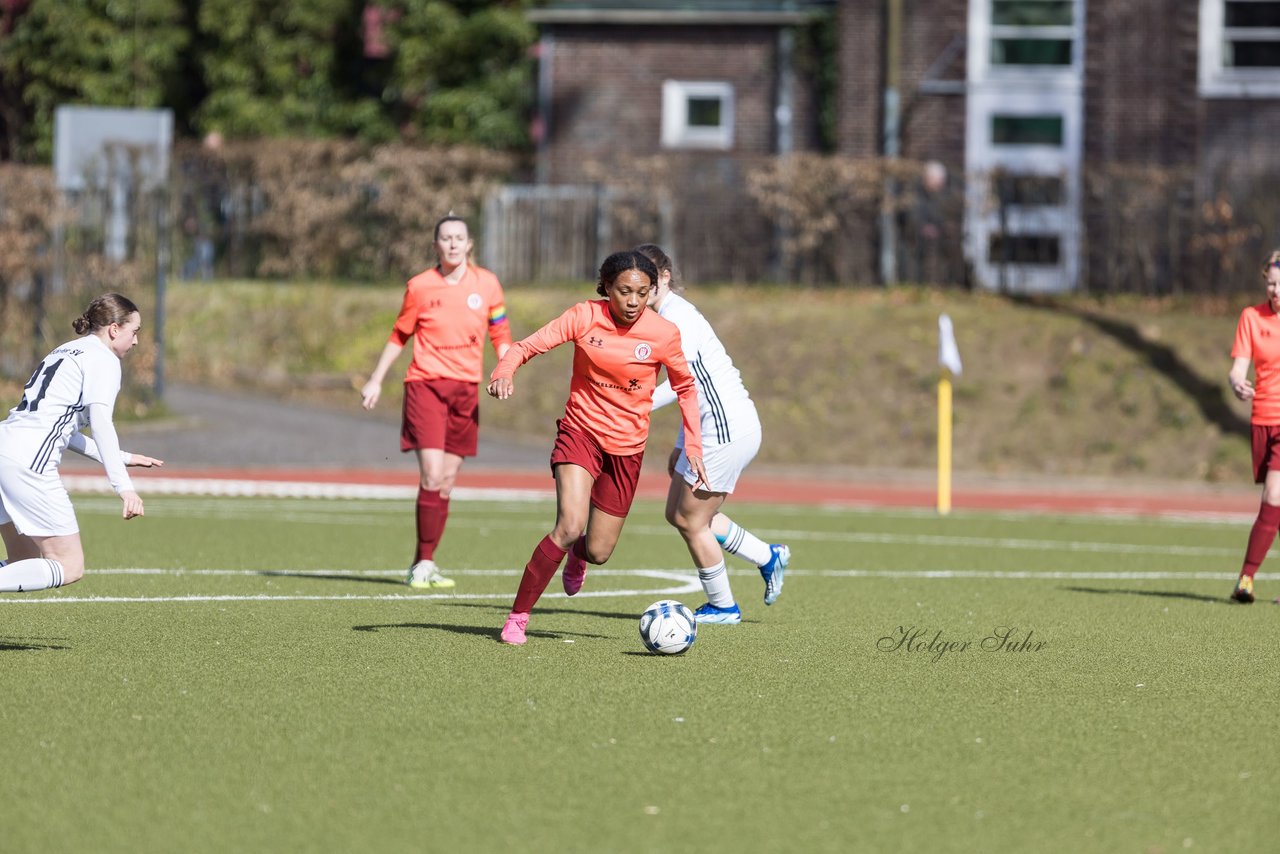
[746,545]
[715,581]
[23,576]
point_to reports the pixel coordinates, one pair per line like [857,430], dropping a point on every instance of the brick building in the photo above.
[619,79]
[1080,127]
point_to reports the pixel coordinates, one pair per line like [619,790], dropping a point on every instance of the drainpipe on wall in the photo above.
[542,128]
[784,143]
[891,142]
[783,113]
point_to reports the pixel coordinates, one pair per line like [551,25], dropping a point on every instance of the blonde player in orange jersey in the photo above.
[446,313]
[1258,341]
[618,348]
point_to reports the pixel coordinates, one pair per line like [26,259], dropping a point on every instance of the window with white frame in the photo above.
[1025,37]
[1024,116]
[1032,32]
[697,114]
[1240,48]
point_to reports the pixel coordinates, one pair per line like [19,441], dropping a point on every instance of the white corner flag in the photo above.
[948,352]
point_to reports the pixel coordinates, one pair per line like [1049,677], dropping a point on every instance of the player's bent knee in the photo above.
[566,535]
[684,522]
[598,556]
[71,573]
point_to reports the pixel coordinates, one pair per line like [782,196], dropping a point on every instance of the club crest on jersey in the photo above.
[473,301]
[643,351]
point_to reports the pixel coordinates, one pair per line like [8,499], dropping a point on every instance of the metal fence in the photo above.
[815,221]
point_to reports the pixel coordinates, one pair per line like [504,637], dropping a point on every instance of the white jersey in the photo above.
[55,405]
[726,409]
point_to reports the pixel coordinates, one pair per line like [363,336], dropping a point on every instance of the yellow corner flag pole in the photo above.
[949,359]
[944,443]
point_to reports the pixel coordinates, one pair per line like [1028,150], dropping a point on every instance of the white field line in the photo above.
[686,583]
[357,516]
[91,484]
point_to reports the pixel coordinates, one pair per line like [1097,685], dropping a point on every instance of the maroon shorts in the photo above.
[1266,447]
[615,476]
[443,414]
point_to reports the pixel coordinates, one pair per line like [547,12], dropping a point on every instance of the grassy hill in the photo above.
[842,378]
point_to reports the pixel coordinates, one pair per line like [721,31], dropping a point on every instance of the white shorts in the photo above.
[724,463]
[36,504]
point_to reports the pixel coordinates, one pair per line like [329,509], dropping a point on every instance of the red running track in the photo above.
[1138,500]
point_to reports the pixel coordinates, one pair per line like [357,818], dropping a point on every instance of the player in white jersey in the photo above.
[730,440]
[74,386]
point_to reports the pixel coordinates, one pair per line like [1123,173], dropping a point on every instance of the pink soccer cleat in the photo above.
[513,629]
[575,572]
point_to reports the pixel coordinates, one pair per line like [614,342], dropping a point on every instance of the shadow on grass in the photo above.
[481,631]
[1164,594]
[1208,396]
[505,608]
[324,576]
[28,644]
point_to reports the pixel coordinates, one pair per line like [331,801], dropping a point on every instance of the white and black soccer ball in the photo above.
[668,627]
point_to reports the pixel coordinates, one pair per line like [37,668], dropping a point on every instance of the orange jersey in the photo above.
[1258,338]
[447,324]
[615,370]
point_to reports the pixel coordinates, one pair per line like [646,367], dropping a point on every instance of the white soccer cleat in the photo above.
[774,571]
[425,574]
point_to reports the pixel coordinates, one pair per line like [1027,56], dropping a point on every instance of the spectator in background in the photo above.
[618,348]
[928,228]
[1258,341]
[203,216]
[446,313]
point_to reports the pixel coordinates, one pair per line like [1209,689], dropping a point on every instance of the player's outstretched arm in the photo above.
[85,446]
[141,461]
[372,390]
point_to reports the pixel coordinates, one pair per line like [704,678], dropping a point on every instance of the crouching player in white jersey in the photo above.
[74,385]
[730,440]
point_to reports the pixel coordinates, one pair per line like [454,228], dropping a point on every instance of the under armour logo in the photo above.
[632,385]
[595,342]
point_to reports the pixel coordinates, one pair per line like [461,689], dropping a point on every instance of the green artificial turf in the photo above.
[259,680]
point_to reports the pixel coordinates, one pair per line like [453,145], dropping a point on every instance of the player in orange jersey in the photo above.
[618,348]
[1258,341]
[446,313]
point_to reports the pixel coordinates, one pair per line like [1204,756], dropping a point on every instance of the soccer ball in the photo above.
[667,627]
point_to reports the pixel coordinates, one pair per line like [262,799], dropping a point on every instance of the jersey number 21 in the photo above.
[34,403]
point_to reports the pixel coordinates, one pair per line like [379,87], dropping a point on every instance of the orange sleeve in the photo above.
[407,321]
[499,327]
[686,393]
[563,328]
[1243,346]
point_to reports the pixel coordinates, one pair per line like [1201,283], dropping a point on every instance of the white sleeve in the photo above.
[104,435]
[86,447]
[663,395]
[83,445]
